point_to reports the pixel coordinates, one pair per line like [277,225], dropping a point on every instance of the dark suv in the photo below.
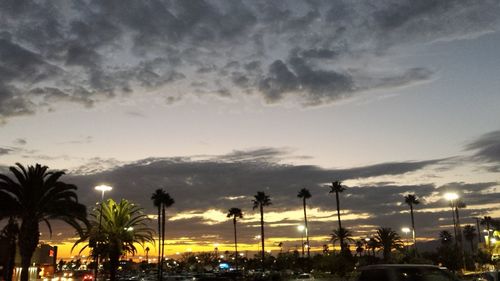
[404,272]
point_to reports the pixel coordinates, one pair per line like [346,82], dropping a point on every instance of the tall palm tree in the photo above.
[37,195]
[161,200]
[412,200]
[337,188]
[235,213]
[167,201]
[123,226]
[445,237]
[305,194]
[341,235]
[469,235]
[387,239]
[488,222]
[261,200]
[157,198]
[459,204]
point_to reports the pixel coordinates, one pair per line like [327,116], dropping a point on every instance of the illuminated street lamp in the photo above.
[406,230]
[102,188]
[453,198]
[301,229]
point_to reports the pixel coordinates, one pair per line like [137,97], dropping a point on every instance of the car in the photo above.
[305,277]
[404,272]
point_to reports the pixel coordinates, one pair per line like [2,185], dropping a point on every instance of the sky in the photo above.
[216,100]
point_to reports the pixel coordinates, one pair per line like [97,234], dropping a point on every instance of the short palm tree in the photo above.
[261,200]
[412,200]
[36,195]
[445,237]
[305,194]
[337,188]
[235,213]
[469,235]
[122,226]
[387,239]
[342,235]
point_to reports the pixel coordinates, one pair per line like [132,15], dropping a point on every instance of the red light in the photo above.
[51,253]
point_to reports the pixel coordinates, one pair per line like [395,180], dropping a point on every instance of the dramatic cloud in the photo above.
[487,149]
[307,52]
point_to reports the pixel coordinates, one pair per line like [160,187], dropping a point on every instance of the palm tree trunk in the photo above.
[235,245]
[159,245]
[413,228]
[340,224]
[307,228]
[262,235]
[162,237]
[9,271]
[28,241]
[113,265]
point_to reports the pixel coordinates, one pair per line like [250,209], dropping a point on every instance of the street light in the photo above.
[102,188]
[406,230]
[453,198]
[301,229]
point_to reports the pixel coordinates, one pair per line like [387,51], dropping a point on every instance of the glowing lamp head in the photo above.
[493,240]
[301,227]
[103,188]
[450,196]
[406,230]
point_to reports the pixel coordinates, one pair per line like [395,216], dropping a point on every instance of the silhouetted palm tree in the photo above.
[123,225]
[261,200]
[337,188]
[469,235]
[387,239]
[411,200]
[235,213]
[167,202]
[157,198]
[459,204]
[359,247]
[305,194]
[38,195]
[161,200]
[341,235]
[445,237]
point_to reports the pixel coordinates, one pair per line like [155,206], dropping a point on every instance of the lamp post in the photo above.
[453,198]
[102,189]
[301,229]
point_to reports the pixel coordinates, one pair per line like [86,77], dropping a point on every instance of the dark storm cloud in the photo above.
[202,184]
[487,149]
[221,182]
[314,52]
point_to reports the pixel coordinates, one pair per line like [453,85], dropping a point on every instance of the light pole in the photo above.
[301,229]
[453,198]
[406,230]
[102,189]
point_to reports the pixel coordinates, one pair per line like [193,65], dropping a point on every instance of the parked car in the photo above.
[404,272]
[305,277]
